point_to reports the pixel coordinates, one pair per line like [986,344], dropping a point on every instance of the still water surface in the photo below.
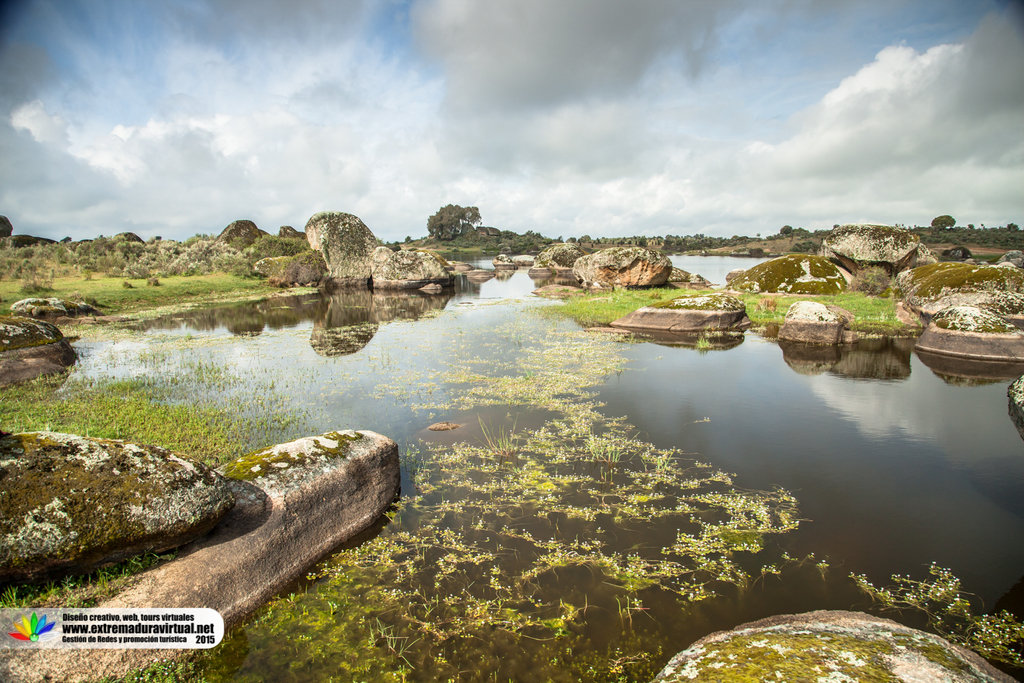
[893,466]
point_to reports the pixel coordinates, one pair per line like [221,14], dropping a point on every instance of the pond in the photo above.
[605,502]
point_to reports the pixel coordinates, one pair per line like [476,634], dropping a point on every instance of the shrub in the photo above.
[870,280]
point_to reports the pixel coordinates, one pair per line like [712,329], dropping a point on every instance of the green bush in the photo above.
[870,280]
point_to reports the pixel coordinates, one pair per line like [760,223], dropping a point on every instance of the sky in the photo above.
[565,117]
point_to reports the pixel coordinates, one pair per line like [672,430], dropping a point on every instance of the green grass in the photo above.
[113,298]
[126,410]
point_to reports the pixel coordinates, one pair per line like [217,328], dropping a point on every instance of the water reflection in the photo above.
[719,341]
[884,359]
[247,318]
[969,373]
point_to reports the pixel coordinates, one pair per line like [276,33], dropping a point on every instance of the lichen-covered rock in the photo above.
[733,274]
[289,233]
[972,332]
[523,261]
[289,464]
[307,269]
[347,246]
[691,313]
[1014,257]
[929,289]
[682,278]
[6,229]
[792,274]
[1015,395]
[854,246]
[30,349]
[810,322]
[70,504]
[270,266]
[558,256]
[503,262]
[52,308]
[240,233]
[827,646]
[623,267]
[408,269]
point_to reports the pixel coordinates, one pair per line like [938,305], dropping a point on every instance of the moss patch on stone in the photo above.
[266,461]
[972,319]
[718,301]
[938,279]
[793,274]
[22,333]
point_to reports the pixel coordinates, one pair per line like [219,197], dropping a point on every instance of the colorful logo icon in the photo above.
[34,630]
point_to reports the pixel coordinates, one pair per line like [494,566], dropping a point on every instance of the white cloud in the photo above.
[50,129]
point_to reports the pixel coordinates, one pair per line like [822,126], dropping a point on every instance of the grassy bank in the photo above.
[112,297]
[873,314]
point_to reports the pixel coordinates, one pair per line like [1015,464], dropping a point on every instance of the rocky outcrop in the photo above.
[241,234]
[289,233]
[623,267]
[1015,395]
[6,229]
[296,503]
[70,504]
[856,246]
[30,349]
[929,289]
[810,322]
[53,308]
[1015,257]
[523,261]
[347,246]
[792,274]
[558,256]
[692,313]
[827,646]
[408,269]
[974,333]
[503,262]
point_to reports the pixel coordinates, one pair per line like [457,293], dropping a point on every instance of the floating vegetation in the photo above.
[997,637]
[561,552]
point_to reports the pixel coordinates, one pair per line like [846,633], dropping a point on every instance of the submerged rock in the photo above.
[690,313]
[827,646]
[30,349]
[972,332]
[557,291]
[929,289]
[811,322]
[70,504]
[347,246]
[792,274]
[623,267]
[856,246]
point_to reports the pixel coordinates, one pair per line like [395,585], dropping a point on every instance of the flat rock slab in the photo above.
[22,365]
[330,488]
[827,646]
[974,333]
[558,291]
[70,504]
[692,313]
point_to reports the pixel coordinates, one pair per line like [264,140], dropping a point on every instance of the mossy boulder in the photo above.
[792,274]
[1015,395]
[690,313]
[974,333]
[811,322]
[558,256]
[30,349]
[52,308]
[623,267]
[827,646]
[284,465]
[70,504]
[347,246]
[6,229]
[855,246]
[241,234]
[408,269]
[270,266]
[929,289]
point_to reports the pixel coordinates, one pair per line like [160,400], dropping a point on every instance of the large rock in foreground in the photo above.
[974,333]
[31,348]
[827,646]
[409,269]
[811,322]
[792,274]
[70,504]
[855,246]
[347,246]
[931,288]
[692,313]
[623,267]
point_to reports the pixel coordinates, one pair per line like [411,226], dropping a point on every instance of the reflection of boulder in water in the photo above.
[866,359]
[709,341]
[342,341]
[1013,601]
[969,373]
[504,275]
[248,318]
